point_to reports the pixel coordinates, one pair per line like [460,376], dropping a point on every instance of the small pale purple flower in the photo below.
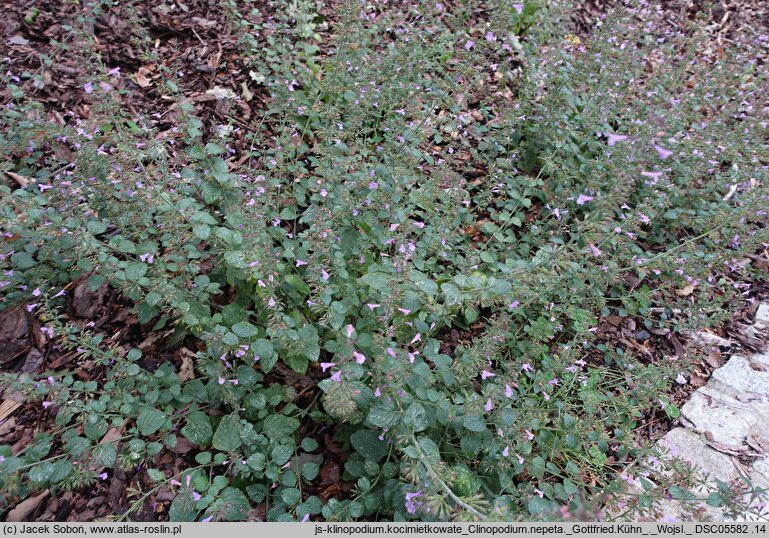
[103,476]
[489,405]
[326,365]
[662,152]
[412,504]
[614,138]
[582,199]
[486,374]
[469,44]
[88,87]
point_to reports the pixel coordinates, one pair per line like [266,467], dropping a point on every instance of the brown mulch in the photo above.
[199,42]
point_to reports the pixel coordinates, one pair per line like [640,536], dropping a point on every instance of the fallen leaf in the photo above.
[8,408]
[221,93]
[686,290]
[142,80]
[18,40]
[187,370]
[26,507]
[245,92]
[23,181]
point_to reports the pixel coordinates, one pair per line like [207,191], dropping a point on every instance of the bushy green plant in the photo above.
[348,240]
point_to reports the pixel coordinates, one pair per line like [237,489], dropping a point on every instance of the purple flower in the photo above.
[595,250]
[584,198]
[372,306]
[337,376]
[513,305]
[391,352]
[306,518]
[46,405]
[326,365]
[411,503]
[300,263]
[662,152]
[506,451]
[196,496]
[614,138]
[486,374]
[490,36]
[360,358]
[518,8]
[489,405]
[508,391]
[349,330]
[527,367]
[88,87]
[103,476]
[470,44]
[207,519]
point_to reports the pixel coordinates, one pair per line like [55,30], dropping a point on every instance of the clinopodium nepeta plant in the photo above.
[422,228]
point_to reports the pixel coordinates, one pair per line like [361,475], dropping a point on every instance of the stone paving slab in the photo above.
[762,315]
[727,418]
[744,375]
[689,447]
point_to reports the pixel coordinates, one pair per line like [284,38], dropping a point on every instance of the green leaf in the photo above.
[203,458]
[538,506]
[424,283]
[150,420]
[105,454]
[279,426]
[60,471]
[309,444]
[183,508]
[227,436]
[471,315]
[245,329]
[281,454]
[156,475]
[291,496]
[198,429]
[681,494]
[135,270]
[385,415]
[295,282]
[715,499]
[202,231]
[368,444]
[474,423]
[257,461]
[95,427]
[310,471]
[416,417]
[23,260]
[451,294]
[233,504]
